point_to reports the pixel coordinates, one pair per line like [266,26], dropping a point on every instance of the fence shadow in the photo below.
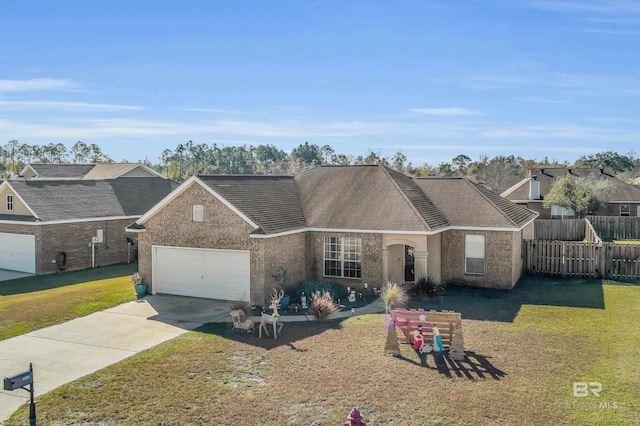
[504,305]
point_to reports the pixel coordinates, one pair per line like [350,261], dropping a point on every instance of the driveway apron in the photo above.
[68,351]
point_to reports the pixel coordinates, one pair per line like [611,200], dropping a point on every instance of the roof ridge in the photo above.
[477,188]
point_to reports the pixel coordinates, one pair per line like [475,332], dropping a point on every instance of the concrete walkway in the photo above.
[68,351]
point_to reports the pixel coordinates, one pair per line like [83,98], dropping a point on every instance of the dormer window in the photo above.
[9,203]
[534,189]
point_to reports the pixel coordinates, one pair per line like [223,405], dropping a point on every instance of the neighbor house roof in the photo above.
[351,198]
[547,176]
[94,171]
[55,200]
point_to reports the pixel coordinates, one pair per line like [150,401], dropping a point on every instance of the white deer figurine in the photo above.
[273,318]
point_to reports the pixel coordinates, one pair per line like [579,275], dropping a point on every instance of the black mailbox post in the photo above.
[19,381]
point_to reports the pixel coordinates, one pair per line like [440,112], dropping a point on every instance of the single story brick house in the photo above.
[227,236]
[50,225]
[530,192]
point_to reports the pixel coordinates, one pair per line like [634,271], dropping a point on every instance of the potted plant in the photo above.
[141,288]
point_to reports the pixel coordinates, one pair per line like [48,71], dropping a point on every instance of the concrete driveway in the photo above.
[65,352]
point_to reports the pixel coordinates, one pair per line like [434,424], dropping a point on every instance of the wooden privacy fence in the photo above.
[575,259]
[615,227]
[559,229]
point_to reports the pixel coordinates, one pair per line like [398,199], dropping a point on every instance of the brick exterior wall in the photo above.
[371,266]
[221,228]
[286,252]
[73,239]
[499,255]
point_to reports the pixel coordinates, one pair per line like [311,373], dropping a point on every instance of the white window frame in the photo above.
[343,255]
[474,250]
[198,213]
[626,213]
[9,203]
[562,212]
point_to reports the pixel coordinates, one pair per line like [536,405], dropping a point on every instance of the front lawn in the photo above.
[521,367]
[31,303]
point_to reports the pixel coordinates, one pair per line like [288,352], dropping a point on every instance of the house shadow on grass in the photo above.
[472,367]
[291,333]
[503,305]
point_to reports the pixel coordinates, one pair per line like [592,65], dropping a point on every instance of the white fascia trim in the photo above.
[6,184]
[526,201]
[28,166]
[57,222]
[179,190]
[135,231]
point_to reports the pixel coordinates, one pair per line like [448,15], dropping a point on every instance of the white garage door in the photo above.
[214,274]
[18,252]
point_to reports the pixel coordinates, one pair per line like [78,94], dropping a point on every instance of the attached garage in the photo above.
[195,272]
[18,252]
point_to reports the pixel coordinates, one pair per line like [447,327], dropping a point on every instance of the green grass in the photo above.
[626,241]
[526,348]
[31,303]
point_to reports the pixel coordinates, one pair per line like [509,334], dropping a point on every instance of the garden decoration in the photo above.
[241,324]
[355,418]
[391,346]
[303,300]
[437,340]
[141,288]
[273,318]
[456,351]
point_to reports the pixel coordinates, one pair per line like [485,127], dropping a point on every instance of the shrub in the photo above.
[310,288]
[322,306]
[425,287]
[393,296]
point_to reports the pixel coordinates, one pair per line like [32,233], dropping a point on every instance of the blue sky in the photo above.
[434,79]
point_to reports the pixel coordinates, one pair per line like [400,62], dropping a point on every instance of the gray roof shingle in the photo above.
[83,199]
[272,202]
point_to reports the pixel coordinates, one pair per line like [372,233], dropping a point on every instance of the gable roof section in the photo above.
[271,202]
[547,176]
[466,204]
[94,171]
[354,198]
[55,200]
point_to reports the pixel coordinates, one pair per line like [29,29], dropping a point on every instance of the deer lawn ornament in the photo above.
[273,318]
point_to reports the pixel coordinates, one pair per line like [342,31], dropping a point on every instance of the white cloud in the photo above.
[66,106]
[451,111]
[36,84]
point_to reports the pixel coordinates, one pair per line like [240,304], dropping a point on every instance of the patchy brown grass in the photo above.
[518,372]
[31,303]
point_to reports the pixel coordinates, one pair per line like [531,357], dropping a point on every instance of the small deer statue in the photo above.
[273,318]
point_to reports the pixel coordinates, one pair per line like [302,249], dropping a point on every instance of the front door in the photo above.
[409,265]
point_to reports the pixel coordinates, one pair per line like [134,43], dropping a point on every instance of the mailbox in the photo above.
[18,381]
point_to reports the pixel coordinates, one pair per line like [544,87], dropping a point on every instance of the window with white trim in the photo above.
[625,210]
[474,254]
[558,212]
[9,203]
[198,213]
[342,257]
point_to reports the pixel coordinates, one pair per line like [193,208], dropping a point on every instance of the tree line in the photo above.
[189,158]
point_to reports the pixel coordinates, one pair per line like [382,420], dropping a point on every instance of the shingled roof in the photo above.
[54,170]
[271,202]
[352,198]
[465,203]
[93,171]
[53,200]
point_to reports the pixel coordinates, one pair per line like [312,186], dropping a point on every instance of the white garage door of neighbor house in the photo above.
[18,252]
[210,273]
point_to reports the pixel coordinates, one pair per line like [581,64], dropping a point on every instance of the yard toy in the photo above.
[241,324]
[355,419]
[273,318]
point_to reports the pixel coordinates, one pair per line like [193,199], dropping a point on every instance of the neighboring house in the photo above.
[52,225]
[225,236]
[530,193]
[95,171]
